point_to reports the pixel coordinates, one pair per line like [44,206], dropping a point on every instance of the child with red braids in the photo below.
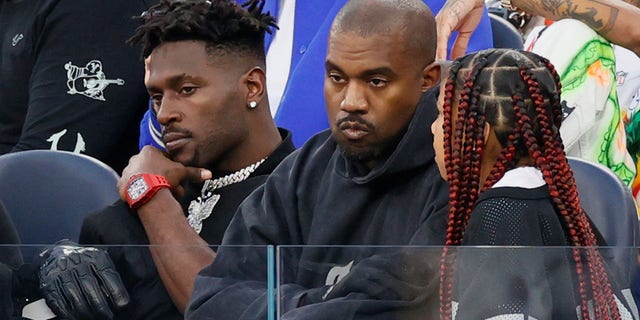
[497,143]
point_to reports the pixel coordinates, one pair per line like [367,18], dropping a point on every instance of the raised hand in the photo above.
[152,160]
[462,16]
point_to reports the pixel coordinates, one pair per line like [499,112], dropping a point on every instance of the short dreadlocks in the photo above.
[222,24]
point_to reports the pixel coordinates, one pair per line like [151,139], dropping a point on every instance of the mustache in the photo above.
[173,131]
[359,121]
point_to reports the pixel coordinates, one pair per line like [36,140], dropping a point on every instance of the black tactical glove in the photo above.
[81,282]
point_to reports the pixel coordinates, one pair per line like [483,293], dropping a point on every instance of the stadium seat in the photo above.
[9,254]
[610,206]
[47,193]
[505,35]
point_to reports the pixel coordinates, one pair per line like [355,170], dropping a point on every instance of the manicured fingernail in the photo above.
[205,174]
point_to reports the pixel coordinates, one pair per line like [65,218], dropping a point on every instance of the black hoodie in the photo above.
[317,198]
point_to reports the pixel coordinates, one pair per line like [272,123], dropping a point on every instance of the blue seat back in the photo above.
[505,35]
[610,206]
[47,193]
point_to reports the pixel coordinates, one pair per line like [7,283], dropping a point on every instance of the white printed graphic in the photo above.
[16,39]
[335,275]
[55,139]
[89,80]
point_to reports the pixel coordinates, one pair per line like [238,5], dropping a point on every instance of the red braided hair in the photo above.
[523,106]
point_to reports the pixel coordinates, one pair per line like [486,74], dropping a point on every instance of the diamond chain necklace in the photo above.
[201,208]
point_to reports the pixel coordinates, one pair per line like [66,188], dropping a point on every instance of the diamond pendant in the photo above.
[201,209]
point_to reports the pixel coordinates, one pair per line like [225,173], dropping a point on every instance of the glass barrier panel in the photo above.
[74,272]
[353,282]
[362,282]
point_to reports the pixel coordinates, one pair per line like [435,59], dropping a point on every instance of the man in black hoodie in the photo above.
[68,80]
[370,180]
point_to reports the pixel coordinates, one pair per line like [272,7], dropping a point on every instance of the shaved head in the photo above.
[410,19]
[379,63]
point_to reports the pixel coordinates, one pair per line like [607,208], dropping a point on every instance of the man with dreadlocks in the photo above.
[497,143]
[370,180]
[205,73]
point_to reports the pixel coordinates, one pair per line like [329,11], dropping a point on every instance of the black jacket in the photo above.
[537,281]
[317,197]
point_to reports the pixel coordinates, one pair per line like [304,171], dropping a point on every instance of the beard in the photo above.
[358,154]
[370,154]
[367,154]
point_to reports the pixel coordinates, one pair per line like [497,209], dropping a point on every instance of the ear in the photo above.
[256,82]
[431,76]
[492,145]
[487,132]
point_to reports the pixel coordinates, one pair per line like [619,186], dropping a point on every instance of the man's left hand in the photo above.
[81,282]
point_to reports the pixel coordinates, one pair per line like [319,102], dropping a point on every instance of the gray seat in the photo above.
[47,193]
[610,206]
[505,35]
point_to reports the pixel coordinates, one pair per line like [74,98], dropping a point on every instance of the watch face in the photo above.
[137,188]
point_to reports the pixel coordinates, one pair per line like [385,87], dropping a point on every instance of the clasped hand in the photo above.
[81,282]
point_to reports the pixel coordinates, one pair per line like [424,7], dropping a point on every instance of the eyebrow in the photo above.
[174,81]
[328,65]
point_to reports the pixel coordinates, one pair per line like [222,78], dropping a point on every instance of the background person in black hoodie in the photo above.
[370,180]
[68,80]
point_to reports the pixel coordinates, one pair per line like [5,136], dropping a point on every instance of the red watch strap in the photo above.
[144,186]
[158,180]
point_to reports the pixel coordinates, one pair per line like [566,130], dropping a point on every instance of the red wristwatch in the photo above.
[142,187]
